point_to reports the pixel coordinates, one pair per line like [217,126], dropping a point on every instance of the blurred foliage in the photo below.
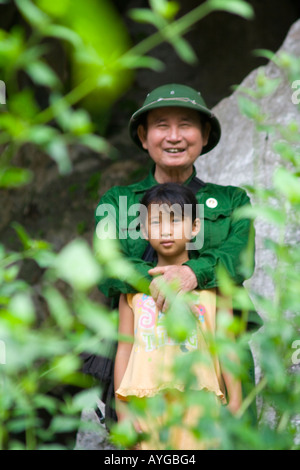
[40,359]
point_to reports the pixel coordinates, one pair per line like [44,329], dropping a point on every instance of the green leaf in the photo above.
[58,307]
[77,265]
[23,104]
[237,7]
[58,150]
[166,9]
[63,367]
[95,318]
[46,402]
[63,33]
[61,424]
[131,62]
[287,184]
[287,152]
[171,10]
[86,399]
[184,50]
[11,47]
[270,214]
[250,109]
[95,142]
[42,74]
[41,135]
[14,177]
[123,434]
[80,122]
[56,9]
[23,235]
[143,15]
[266,85]
[22,308]
[32,13]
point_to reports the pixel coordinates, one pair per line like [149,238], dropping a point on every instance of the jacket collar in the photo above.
[150,181]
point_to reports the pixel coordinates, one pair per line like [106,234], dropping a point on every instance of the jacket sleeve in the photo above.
[107,214]
[231,253]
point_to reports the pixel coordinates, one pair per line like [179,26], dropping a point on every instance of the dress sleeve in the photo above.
[129,298]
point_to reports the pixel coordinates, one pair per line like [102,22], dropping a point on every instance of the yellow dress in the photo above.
[150,367]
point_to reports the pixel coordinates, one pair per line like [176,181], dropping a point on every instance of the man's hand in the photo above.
[184,275]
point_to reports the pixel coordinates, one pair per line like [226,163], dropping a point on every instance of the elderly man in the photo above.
[174,126]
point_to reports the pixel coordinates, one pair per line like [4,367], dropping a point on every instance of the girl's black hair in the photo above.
[172,194]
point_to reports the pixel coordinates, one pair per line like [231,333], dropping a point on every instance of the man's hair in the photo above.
[172,194]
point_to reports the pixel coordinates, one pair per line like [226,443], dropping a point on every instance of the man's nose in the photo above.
[174,134]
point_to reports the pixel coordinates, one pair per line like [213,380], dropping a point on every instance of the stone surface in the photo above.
[95,438]
[244,157]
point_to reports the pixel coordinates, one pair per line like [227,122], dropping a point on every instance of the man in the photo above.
[175,127]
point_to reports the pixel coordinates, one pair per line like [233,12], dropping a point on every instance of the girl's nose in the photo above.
[166,226]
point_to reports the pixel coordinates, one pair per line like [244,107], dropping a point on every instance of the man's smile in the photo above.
[174,150]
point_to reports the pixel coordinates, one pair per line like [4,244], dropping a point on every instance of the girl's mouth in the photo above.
[167,243]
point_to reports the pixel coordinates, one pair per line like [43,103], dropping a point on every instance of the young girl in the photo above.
[144,368]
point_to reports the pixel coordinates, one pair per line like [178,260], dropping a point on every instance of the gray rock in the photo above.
[244,157]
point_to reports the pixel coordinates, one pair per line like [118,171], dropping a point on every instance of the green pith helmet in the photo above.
[176,95]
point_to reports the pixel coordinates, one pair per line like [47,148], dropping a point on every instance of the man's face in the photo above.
[174,137]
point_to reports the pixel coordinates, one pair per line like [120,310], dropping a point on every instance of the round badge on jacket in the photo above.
[211,203]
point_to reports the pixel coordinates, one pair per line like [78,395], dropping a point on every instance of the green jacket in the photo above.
[225,239]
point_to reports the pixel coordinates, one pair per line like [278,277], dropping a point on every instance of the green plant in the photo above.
[42,391]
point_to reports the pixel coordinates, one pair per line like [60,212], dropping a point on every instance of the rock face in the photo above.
[244,157]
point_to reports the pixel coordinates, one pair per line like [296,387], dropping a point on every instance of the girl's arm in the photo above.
[126,327]
[234,390]
[233,385]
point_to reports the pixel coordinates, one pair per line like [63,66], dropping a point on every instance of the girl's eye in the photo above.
[176,219]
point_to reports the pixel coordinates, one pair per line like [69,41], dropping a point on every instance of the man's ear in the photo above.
[142,135]
[206,132]
[196,227]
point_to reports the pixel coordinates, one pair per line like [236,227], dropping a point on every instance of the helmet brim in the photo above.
[138,117]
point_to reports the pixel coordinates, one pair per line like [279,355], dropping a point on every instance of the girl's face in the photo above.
[168,230]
